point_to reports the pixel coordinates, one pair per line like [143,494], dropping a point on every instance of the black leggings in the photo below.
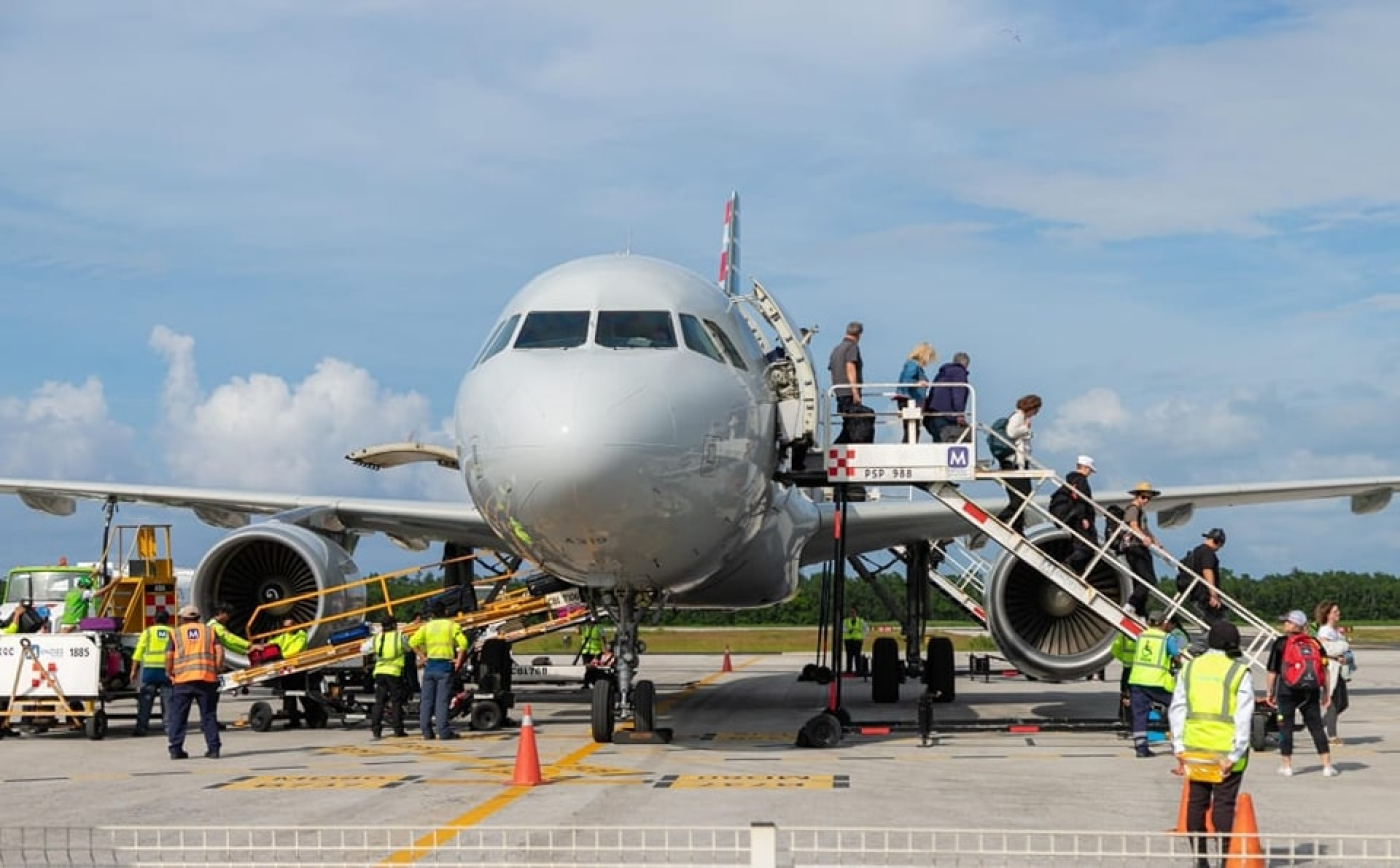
[1308,703]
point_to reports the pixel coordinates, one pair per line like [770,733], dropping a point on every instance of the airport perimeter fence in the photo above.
[760,844]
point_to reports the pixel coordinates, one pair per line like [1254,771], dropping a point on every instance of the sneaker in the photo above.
[179,755]
[1286,771]
[376,735]
[1330,771]
[1130,608]
[1144,753]
[1334,740]
[211,754]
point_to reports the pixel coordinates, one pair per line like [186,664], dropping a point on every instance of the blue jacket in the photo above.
[913,372]
[949,400]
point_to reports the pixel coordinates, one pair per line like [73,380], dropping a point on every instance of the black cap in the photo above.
[1223,636]
[1215,534]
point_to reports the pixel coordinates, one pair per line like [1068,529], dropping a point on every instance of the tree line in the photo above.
[1362,597]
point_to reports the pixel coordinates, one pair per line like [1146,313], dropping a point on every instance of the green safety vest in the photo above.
[75,607]
[292,642]
[1151,665]
[150,648]
[1211,682]
[388,655]
[1124,649]
[439,639]
[227,638]
[853,628]
[590,639]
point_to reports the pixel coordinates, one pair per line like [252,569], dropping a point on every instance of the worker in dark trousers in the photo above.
[1151,679]
[442,648]
[193,661]
[148,661]
[389,649]
[853,630]
[1211,712]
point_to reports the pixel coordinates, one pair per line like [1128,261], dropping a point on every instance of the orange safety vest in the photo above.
[193,647]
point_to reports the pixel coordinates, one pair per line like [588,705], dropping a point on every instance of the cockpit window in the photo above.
[500,338]
[648,329]
[697,339]
[553,330]
[730,350]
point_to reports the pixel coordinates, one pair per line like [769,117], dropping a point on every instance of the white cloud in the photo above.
[263,432]
[63,430]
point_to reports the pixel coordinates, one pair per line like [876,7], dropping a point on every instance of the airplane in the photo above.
[628,428]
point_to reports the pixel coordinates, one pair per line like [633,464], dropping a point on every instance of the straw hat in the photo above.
[1144,488]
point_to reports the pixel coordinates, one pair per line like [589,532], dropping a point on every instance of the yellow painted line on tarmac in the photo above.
[429,842]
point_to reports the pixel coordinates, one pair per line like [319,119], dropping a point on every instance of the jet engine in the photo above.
[1042,629]
[273,561]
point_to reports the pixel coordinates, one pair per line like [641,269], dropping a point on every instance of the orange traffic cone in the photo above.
[1245,849]
[527,757]
[726,666]
[1181,811]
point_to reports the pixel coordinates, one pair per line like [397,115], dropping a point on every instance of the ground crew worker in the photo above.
[226,637]
[78,603]
[1123,649]
[853,630]
[389,649]
[192,662]
[149,662]
[442,649]
[1211,712]
[1151,677]
[289,643]
[590,641]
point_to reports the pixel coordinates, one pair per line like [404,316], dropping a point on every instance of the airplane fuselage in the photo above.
[618,430]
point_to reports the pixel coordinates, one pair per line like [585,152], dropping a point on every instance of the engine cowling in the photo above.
[1040,628]
[273,561]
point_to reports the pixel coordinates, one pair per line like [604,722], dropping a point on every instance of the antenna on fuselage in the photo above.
[729,247]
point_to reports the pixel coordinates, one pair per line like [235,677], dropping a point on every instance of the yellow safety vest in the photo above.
[150,648]
[439,639]
[853,628]
[590,639]
[1151,665]
[1124,649]
[194,655]
[388,653]
[1211,682]
[292,642]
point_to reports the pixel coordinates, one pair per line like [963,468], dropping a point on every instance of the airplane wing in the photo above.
[882,524]
[408,521]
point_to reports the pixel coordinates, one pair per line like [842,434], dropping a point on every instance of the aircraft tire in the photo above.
[487,715]
[260,717]
[317,717]
[940,675]
[885,670]
[603,715]
[644,706]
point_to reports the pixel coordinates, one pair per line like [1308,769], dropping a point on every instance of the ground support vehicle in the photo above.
[51,679]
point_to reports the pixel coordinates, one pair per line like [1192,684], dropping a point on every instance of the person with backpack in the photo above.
[945,408]
[1010,445]
[1204,561]
[1136,543]
[1296,677]
[1072,504]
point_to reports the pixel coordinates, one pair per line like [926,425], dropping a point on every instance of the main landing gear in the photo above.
[620,698]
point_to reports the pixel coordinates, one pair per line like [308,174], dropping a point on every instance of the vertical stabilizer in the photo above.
[729,248]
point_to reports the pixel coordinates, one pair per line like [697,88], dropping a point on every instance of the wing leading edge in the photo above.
[878,525]
[400,519]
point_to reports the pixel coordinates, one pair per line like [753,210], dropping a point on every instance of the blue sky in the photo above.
[240,240]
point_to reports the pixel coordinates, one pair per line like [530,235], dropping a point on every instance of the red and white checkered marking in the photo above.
[839,460]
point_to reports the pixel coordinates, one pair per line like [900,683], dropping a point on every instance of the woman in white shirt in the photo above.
[1335,646]
[1018,431]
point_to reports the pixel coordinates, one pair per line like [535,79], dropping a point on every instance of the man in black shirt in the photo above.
[1136,544]
[1072,503]
[1205,562]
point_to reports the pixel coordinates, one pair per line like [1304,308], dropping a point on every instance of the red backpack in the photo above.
[1302,662]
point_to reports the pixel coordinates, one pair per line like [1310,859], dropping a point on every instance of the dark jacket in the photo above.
[948,400]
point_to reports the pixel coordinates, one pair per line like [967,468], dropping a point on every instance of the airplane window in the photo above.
[649,329]
[730,350]
[499,339]
[553,330]
[698,340]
